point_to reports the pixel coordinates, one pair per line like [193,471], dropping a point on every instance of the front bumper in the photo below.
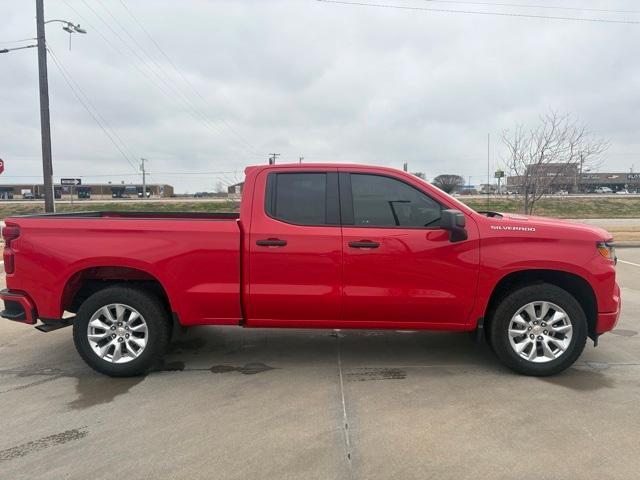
[18,307]
[607,320]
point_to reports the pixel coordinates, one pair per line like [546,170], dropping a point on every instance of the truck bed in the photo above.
[193,257]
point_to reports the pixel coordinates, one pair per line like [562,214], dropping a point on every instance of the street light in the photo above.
[45,121]
[68,26]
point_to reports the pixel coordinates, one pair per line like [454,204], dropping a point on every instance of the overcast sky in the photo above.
[325,81]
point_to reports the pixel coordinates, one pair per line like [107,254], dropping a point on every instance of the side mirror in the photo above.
[454,221]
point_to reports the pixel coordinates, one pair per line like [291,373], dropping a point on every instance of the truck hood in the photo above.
[546,223]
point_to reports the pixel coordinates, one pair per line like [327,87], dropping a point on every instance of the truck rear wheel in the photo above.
[538,330]
[121,331]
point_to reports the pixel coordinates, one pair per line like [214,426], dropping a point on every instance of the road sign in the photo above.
[1,165]
[498,174]
[70,181]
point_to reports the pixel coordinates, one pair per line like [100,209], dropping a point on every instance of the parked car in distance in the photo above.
[603,190]
[315,246]
[622,192]
[28,196]
[562,192]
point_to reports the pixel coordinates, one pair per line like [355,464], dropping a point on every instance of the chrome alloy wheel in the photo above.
[117,333]
[540,332]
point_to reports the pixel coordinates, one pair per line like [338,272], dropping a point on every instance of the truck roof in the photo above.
[321,165]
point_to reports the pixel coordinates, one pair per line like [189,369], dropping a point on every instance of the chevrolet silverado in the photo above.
[327,246]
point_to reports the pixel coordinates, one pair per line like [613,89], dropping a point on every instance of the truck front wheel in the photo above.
[121,331]
[538,330]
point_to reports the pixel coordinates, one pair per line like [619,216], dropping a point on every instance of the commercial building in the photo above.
[235,189]
[98,191]
[558,177]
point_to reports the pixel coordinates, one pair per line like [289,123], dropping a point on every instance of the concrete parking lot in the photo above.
[243,404]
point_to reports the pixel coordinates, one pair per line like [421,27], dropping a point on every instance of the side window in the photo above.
[299,198]
[385,202]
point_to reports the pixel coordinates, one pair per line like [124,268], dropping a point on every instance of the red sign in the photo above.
[1,165]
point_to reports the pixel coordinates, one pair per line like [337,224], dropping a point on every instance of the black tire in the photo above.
[512,303]
[150,308]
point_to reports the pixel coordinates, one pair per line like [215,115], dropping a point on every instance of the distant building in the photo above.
[92,190]
[568,177]
[615,181]
[235,189]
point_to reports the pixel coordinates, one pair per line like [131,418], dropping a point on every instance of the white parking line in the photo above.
[629,263]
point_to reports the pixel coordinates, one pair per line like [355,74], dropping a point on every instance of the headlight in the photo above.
[607,250]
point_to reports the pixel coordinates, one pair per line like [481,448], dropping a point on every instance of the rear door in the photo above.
[400,269]
[295,249]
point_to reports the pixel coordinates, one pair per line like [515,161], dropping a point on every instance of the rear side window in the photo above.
[303,198]
[380,201]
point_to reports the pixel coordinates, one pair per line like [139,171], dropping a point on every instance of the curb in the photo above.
[629,244]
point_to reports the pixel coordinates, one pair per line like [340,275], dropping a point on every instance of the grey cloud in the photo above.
[330,82]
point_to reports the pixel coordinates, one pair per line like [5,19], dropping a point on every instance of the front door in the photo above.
[295,250]
[400,268]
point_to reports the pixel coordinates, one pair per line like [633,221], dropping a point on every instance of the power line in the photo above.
[545,7]
[186,80]
[474,12]
[109,131]
[137,66]
[161,68]
[120,52]
[17,41]
[177,95]
[75,88]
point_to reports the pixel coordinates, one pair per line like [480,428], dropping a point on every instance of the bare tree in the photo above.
[219,187]
[556,150]
[448,183]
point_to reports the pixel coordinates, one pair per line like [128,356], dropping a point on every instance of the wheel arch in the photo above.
[86,281]
[576,285]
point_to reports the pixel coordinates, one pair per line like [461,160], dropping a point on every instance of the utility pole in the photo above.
[144,178]
[301,159]
[273,157]
[45,122]
[488,161]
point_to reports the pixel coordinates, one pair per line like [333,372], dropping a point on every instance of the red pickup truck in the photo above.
[315,246]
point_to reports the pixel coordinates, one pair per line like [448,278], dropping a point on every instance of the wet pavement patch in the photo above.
[624,333]
[366,374]
[47,374]
[95,390]
[248,369]
[186,345]
[36,370]
[581,379]
[164,366]
[92,389]
[42,443]
[173,367]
